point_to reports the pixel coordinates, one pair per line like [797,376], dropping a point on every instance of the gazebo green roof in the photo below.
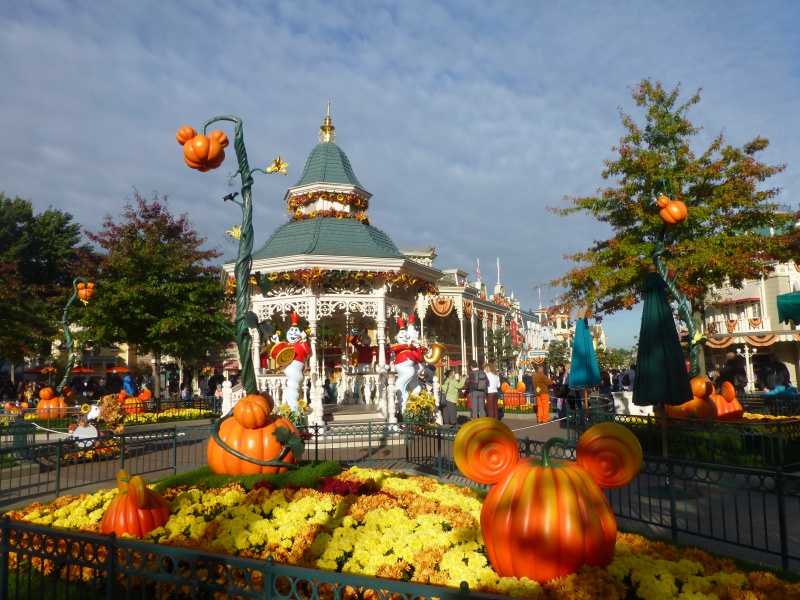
[328,237]
[328,163]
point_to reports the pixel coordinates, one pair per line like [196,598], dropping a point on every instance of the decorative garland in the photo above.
[731,324]
[441,306]
[295,204]
[754,322]
[308,276]
[303,200]
[299,215]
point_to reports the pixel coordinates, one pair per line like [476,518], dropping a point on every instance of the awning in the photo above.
[789,307]
[231,365]
[749,293]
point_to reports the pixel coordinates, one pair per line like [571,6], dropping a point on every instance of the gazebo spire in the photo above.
[327,132]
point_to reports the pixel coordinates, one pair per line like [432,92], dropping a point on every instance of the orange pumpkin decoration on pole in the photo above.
[251,440]
[547,518]
[673,213]
[136,509]
[201,152]
[85,291]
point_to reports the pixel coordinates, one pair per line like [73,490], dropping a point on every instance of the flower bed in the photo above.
[409,528]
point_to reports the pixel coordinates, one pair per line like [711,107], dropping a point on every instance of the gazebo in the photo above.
[335,270]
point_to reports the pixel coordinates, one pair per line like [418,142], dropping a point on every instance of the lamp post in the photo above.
[748,366]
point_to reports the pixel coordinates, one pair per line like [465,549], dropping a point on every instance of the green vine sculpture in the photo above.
[67,335]
[696,338]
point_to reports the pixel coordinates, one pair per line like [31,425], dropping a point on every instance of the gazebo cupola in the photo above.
[328,186]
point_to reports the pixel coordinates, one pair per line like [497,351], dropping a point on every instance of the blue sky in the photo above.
[464,119]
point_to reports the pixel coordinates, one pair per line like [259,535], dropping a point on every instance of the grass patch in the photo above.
[306,475]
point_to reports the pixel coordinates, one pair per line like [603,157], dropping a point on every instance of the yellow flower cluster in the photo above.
[419,407]
[408,528]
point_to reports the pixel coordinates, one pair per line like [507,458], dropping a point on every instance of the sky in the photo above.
[464,119]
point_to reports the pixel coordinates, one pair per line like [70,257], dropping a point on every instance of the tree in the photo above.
[499,348]
[557,353]
[38,254]
[154,287]
[733,227]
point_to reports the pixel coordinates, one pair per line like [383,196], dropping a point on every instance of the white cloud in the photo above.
[464,119]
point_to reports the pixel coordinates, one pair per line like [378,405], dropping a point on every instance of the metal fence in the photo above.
[735,510]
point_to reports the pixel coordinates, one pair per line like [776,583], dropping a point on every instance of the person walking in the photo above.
[776,372]
[541,387]
[527,379]
[450,389]
[492,391]
[477,384]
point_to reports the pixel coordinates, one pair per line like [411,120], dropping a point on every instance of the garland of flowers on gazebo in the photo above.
[309,276]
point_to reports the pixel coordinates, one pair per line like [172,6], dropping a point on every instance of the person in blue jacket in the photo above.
[129,385]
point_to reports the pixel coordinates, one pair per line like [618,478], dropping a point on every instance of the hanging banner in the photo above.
[442,306]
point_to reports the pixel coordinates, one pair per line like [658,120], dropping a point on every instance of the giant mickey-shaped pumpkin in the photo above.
[547,518]
[251,432]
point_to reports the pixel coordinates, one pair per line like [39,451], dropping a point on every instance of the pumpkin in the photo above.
[728,407]
[252,411]
[520,386]
[136,509]
[46,393]
[673,213]
[662,201]
[269,399]
[485,449]
[24,405]
[52,408]
[696,408]
[67,391]
[185,134]
[505,387]
[131,404]
[145,395]
[85,291]
[701,386]
[258,442]
[205,153]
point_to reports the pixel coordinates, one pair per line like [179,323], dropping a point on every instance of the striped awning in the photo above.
[749,293]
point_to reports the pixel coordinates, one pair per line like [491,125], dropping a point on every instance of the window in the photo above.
[757,310]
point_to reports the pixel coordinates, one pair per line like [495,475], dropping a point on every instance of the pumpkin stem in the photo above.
[546,449]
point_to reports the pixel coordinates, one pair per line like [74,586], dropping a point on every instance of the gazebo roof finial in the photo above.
[327,133]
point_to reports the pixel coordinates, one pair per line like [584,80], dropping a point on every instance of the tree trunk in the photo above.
[157,376]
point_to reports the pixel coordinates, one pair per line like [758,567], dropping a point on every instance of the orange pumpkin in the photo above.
[85,291]
[673,213]
[46,393]
[185,134]
[24,405]
[662,201]
[136,509]
[728,407]
[547,518]
[52,408]
[701,386]
[249,431]
[696,408]
[131,404]
[520,386]
[252,411]
[505,387]
[145,395]
[205,153]
[67,391]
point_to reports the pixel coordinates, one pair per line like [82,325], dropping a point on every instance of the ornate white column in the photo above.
[315,414]
[256,349]
[380,328]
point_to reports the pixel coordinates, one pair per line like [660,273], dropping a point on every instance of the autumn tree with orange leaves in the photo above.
[734,228]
